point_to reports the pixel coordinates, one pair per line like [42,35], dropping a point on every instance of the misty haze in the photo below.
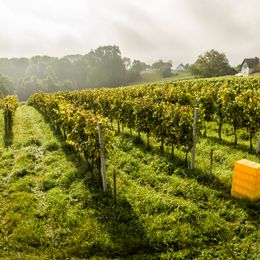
[129,129]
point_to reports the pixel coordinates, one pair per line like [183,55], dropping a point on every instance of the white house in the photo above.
[180,68]
[250,66]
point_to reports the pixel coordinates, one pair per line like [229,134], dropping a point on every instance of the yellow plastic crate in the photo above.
[246,180]
[238,175]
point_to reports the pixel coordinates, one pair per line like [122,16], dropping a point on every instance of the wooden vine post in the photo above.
[211,161]
[7,118]
[193,151]
[114,192]
[102,157]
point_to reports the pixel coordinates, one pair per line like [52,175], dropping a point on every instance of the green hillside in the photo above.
[155,77]
[51,207]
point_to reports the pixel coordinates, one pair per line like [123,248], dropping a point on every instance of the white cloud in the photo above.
[177,30]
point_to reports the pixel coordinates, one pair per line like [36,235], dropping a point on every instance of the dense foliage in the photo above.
[211,64]
[103,66]
[166,111]
[165,68]
[52,209]
[78,126]
[5,86]
[234,101]
[10,105]
[170,124]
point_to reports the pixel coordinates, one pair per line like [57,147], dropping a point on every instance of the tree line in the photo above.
[103,66]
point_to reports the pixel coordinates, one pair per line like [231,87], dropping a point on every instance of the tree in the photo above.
[41,67]
[105,67]
[135,69]
[14,68]
[127,63]
[211,64]
[80,72]
[163,67]
[5,86]
[63,69]
[238,68]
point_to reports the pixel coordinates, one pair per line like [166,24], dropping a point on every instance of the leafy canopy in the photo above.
[211,64]
[163,67]
[5,85]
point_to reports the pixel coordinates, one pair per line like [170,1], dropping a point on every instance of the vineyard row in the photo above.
[78,126]
[234,101]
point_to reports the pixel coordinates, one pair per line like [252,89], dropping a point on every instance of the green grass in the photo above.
[51,208]
[256,74]
[155,77]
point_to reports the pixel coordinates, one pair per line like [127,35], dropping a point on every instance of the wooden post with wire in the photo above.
[7,119]
[102,157]
[193,151]
[114,192]
[211,161]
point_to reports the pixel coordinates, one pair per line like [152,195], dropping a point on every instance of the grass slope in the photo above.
[51,208]
[156,78]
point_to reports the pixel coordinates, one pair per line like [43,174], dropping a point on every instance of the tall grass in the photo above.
[51,208]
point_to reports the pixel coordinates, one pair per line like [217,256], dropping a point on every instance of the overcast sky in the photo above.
[176,30]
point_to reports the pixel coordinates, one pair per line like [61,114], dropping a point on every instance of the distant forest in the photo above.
[103,66]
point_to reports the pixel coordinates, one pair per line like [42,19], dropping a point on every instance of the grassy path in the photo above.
[34,175]
[50,208]
[29,126]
